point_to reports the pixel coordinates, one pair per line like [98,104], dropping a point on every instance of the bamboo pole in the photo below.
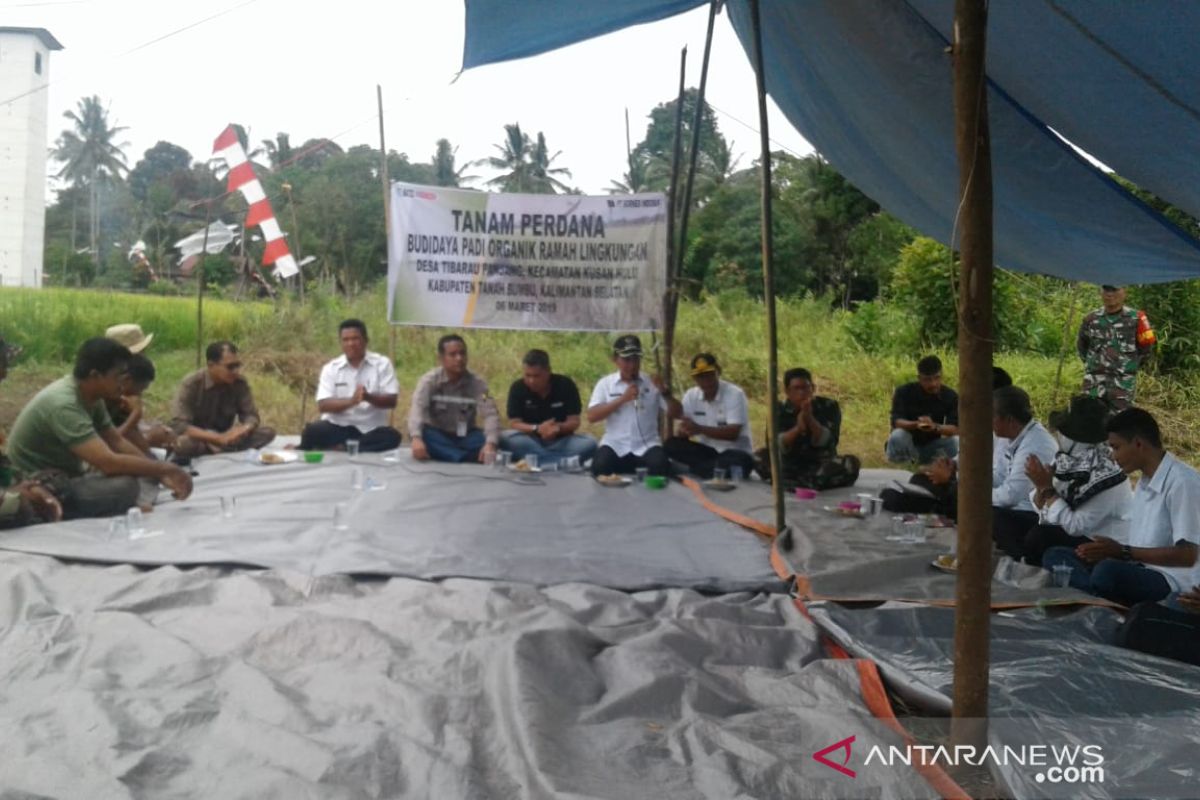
[668,342]
[974,585]
[287,188]
[1066,344]
[200,284]
[387,212]
[768,252]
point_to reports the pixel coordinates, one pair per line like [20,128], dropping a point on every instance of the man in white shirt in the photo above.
[715,412]
[355,395]
[1164,522]
[1012,512]
[1084,493]
[628,404]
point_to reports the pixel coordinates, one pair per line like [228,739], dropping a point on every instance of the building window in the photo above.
[37,63]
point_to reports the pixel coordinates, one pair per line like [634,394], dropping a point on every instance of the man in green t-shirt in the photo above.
[27,501]
[65,429]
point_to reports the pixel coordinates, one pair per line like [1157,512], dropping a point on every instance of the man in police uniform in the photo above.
[1113,342]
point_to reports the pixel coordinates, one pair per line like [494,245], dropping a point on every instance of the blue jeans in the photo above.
[901,448]
[524,444]
[444,446]
[1124,582]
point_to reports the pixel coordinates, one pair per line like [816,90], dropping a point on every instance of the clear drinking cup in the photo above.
[502,459]
[1062,575]
[352,447]
[341,517]
[489,458]
[228,507]
[356,479]
[531,461]
[914,531]
[135,523]
[571,464]
[718,475]
[640,474]
[736,474]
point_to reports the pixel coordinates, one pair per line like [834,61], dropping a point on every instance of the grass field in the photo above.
[285,346]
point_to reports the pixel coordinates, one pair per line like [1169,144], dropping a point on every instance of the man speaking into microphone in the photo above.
[628,403]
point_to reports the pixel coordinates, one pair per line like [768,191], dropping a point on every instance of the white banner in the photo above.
[460,258]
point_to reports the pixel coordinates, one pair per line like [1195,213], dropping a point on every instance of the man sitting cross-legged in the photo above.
[355,393]
[214,410]
[446,406]
[543,414]
[628,403]
[65,429]
[715,412]
[1164,522]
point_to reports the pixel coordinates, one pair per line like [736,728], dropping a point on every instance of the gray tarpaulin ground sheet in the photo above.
[850,558]
[1055,681]
[431,522]
[233,683]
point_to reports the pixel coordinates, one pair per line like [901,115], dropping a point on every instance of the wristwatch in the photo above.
[1126,552]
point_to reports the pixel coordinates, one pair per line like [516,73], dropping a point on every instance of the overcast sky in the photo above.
[182,71]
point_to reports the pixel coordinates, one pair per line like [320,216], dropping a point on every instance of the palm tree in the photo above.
[526,166]
[637,179]
[90,157]
[278,150]
[444,170]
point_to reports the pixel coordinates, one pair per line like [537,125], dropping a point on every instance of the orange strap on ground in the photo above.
[749,523]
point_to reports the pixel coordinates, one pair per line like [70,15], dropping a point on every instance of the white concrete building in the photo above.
[24,73]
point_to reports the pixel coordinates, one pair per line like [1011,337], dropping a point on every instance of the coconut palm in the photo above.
[444,169]
[90,157]
[526,166]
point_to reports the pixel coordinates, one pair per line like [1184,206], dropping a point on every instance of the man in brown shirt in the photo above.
[214,410]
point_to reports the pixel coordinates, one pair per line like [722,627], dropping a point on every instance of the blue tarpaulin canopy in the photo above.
[870,84]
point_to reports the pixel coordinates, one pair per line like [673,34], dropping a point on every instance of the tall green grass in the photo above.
[284,345]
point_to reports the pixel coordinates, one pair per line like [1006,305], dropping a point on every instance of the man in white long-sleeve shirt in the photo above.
[1084,494]
[1012,512]
[1164,522]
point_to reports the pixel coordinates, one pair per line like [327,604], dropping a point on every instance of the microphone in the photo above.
[637,399]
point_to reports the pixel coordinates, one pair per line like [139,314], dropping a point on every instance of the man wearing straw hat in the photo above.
[131,335]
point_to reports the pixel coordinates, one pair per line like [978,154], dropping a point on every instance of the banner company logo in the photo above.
[843,768]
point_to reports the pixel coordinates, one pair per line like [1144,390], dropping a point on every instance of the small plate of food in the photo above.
[278,456]
[847,509]
[947,562]
[523,466]
[613,480]
[722,485]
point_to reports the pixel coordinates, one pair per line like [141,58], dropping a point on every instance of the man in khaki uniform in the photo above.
[214,411]
[442,421]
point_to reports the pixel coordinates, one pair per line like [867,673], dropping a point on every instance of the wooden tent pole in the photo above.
[668,343]
[768,251]
[199,271]
[974,585]
[387,223]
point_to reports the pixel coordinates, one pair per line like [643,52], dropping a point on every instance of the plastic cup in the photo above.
[914,531]
[897,528]
[489,458]
[736,474]
[352,447]
[718,475]
[228,507]
[502,459]
[1061,575]
[571,464]
[356,479]
[392,456]
[531,461]
[341,517]
[135,523]
[640,474]
[117,529]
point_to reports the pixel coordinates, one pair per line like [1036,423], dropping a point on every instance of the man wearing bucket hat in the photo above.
[714,431]
[628,404]
[131,335]
[1083,493]
[1113,342]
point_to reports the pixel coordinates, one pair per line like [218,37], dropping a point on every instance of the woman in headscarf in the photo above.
[1084,493]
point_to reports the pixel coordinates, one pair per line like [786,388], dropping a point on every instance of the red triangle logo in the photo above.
[844,744]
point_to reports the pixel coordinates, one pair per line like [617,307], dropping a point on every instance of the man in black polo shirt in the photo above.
[543,415]
[924,417]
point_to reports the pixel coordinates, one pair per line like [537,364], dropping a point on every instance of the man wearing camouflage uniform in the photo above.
[1113,342]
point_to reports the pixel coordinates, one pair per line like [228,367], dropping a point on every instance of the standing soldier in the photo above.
[1113,342]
